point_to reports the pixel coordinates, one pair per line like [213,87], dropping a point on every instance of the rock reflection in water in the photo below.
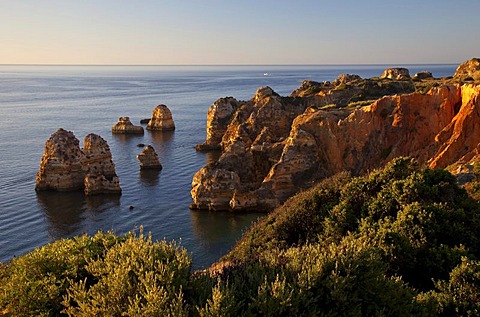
[65,211]
[160,137]
[219,230]
[150,177]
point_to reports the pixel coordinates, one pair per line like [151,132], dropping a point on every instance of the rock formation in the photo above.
[61,164]
[161,119]
[124,126]
[274,146]
[218,117]
[149,159]
[468,70]
[65,166]
[422,75]
[397,73]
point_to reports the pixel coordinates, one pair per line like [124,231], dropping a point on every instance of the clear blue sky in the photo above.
[238,32]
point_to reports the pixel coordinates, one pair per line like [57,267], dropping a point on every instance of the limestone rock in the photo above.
[149,159]
[218,118]
[469,69]
[65,166]
[423,75]
[99,184]
[261,168]
[125,126]
[61,164]
[145,121]
[161,119]
[397,73]
[100,175]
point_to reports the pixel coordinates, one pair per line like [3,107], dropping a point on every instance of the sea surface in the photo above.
[37,100]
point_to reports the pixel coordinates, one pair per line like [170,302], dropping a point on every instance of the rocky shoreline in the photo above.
[273,146]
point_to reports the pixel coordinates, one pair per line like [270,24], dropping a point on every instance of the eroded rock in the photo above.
[125,126]
[396,73]
[161,119]
[274,146]
[149,159]
[65,166]
[468,70]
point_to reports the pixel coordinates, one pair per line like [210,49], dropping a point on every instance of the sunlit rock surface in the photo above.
[161,120]
[125,126]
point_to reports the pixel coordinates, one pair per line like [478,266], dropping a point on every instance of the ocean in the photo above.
[37,100]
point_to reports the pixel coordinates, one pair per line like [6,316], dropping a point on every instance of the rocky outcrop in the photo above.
[100,175]
[65,166]
[468,70]
[274,146]
[149,159]
[218,117]
[161,119]
[397,73]
[422,75]
[125,126]
[350,90]
[61,166]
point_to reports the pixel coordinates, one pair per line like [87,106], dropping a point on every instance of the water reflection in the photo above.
[150,177]
[162,137]
[62,210]
[218,231]
[127,138]
[65,211]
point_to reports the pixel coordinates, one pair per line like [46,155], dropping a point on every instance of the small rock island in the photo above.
[161,120]
[125,126]
[149,159]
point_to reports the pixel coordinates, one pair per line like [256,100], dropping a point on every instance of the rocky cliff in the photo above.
[274,146]
[65,166]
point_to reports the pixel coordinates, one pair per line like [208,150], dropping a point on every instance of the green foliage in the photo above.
[100,275]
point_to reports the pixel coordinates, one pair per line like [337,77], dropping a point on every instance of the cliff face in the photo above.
[65,166]
[271,151]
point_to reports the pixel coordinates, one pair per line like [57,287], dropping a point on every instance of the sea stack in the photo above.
[161,119]
[149,159]
[66,167]
[125,126]
[61,164]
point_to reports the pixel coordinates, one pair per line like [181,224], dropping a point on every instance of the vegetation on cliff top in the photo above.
[401,241]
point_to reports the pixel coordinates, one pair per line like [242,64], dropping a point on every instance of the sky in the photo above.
[227,32]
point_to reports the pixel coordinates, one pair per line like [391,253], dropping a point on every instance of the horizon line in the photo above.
[230,65]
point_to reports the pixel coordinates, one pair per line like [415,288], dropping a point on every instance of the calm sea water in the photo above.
[36,100]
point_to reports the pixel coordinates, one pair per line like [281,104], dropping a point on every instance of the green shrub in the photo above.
[100,275]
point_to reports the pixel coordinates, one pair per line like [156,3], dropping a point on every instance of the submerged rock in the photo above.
[125,126]
[65,166]
[149,159]
[161,119]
